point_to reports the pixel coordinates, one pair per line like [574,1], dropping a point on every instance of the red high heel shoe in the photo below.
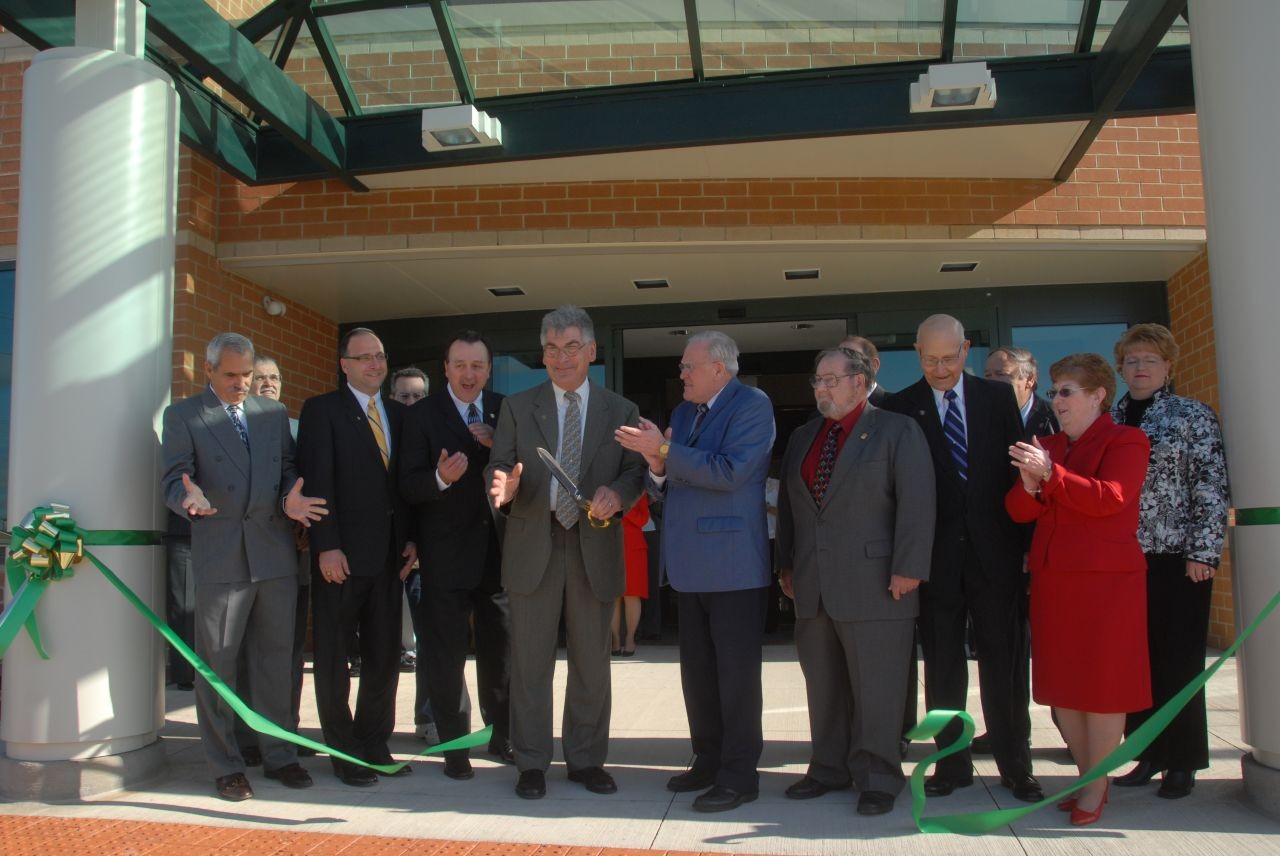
[1080,817]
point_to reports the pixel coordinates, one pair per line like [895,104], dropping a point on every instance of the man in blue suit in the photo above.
[710,472]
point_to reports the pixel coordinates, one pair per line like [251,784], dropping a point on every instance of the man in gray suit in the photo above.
[553,559]
[238,447]
[855,530]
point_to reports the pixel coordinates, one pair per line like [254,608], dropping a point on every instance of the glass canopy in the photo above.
[360,56]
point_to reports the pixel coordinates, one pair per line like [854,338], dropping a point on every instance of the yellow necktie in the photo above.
[375,421]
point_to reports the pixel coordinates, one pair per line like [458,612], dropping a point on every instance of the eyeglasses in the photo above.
[367,358]
[688,367]
[829,381]
[950,361]
[409,397]
[1142,362]
[1064,392]
[551,352]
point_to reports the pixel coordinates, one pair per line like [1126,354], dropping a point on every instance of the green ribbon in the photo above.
[38,556]
[982,822]
[1266,516]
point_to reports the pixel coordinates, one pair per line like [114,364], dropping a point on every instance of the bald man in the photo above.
[976,569]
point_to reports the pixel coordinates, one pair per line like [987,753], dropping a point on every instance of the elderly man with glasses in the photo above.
[970,423]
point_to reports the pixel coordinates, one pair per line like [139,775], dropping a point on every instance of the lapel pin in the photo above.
[863,436]
[921,412]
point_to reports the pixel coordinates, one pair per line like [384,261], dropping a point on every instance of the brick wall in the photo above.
[1140,172]
[10,148]
[1196,376]
[208,301]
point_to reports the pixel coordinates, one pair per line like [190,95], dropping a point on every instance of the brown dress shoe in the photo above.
[234,787]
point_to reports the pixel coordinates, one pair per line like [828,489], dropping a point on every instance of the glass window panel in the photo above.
[394,59]
[1179,34]
[751,36]
[1050,343]
[996,28]
[514,373]
[1108,13]
[516,48]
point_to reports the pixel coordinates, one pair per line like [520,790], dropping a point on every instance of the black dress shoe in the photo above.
[809,787]
[356,777]
[939,785]
[691,780]
[1026,788]
[306,752]
[501,749]
[723,799]
[185,686]
[406,770]
[1142,772]
[1176,784]
[981,744]
[532,785]
[234,787]
[875,802]
[903,746]
[291,776]
[594,779]
[252,756]
[458,767]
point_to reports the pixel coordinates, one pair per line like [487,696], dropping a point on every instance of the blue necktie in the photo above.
[233,410]
[953,428]
[697,421]
[473,413]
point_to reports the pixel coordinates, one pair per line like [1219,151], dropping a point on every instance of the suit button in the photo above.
[231,487]
[276,487]
[246,518]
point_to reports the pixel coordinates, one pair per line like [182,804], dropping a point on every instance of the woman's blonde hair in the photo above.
[1154,336]
[1091,370]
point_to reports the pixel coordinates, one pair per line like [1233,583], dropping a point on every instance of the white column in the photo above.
[91,374]
[1236,68]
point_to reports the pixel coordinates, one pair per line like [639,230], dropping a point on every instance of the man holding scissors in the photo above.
[563,551]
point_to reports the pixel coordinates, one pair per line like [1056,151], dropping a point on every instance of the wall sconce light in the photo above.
[459,127]
[954,86]
[273,307]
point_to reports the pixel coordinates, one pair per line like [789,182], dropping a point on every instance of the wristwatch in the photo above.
[664,449]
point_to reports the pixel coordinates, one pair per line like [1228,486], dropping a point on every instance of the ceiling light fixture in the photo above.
[957,267]
[805,273]
[507,291]
[650,283]
[954,86]
[459,127]
[273,307]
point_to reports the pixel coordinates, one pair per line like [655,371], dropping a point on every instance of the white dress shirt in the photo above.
[244,417]
[584,393]
[939,399]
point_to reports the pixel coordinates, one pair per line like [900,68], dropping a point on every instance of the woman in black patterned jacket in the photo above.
[1182,525]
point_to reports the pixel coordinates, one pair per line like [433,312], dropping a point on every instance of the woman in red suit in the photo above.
[636,553]
[1088,573]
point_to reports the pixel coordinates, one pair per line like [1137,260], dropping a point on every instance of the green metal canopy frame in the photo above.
[283,134]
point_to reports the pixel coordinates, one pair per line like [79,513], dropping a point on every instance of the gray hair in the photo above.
[233,342]
[855,362]
[1020,357]
[720,348]
[259,359]
[562,318]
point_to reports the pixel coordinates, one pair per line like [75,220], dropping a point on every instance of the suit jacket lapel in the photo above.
[804,435]
[596,428]
[927,415]
[721,407]
[452,418]
[261,435]
[977,420]
[363,428]
[863,432]
[544,409]
[219,424]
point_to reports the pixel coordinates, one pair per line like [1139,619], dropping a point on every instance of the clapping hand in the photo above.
[451,467]
[504,485]
[1032,461]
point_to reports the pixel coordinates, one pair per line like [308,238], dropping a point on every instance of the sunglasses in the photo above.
[1064,392]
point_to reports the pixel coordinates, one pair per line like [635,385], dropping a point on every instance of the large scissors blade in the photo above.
[561,476]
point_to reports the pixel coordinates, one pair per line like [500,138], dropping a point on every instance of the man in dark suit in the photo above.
[446,449]
[855,525]
[553,560]
[970,424]
[710,476]
[242,551]
[348,447]
[1017,367]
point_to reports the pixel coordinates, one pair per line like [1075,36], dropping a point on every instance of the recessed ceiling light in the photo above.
[803,273]
[507,291]
[802,326]
[650,283]
[957,267]
[677,332]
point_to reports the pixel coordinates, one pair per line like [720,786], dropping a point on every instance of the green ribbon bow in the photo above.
[46,547]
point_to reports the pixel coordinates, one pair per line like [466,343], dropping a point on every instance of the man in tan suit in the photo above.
[553,559]
[854,534]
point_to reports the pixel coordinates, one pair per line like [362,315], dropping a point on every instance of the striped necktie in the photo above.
[570,459]
[953,428]
[379,433]
[697,421]
[473,413]
[233,410]
[826,463]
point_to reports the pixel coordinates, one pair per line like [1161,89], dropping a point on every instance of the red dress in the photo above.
[1088,574]
[636,550]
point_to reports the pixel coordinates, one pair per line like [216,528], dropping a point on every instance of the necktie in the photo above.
[697,420]
[473,413]
[379,434]
[826,463]
[953,429]
[570,459]
[233,410]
